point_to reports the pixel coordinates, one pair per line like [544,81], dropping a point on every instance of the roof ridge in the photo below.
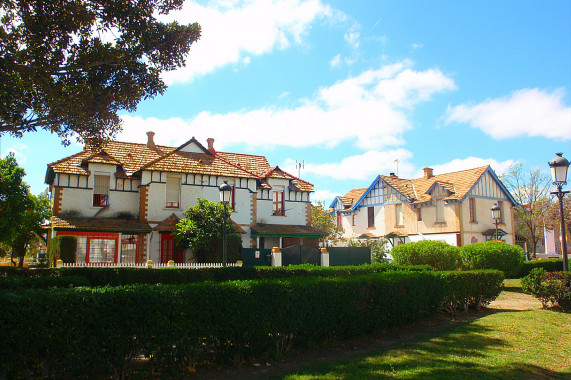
[236,165]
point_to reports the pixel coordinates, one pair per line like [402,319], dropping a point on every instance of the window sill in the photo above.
[473,222]
[441,223]
[371,228]
[399,226]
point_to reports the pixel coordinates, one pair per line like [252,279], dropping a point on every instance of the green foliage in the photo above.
[471,289]
[21,213]
[439,255]
[76,86]
[53,252]
[550,287]
[494,255]
[321,219]
[550,265]
[67,248]
[201,230]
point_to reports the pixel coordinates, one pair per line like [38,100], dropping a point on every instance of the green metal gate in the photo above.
[255,256]
[339,256]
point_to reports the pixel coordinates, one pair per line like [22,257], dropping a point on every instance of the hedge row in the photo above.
[80,332]
[130,276]
[550,265]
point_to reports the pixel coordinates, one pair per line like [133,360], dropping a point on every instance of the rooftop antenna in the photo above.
[299,165]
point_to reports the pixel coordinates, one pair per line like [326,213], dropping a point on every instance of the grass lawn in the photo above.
[505,343]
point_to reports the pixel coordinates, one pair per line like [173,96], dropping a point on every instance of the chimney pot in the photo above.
[392,174]
[428,173]
[210,142]
[150,141]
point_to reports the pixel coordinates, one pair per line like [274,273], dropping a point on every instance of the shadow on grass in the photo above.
[463,352]
[514,289]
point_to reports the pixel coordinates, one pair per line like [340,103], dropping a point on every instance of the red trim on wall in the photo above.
[94,235]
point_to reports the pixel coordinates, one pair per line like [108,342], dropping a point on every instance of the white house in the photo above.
[123,200]
[451,207]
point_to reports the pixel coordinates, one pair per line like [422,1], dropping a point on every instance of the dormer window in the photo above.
[101,191]
[173,192]
[278,203]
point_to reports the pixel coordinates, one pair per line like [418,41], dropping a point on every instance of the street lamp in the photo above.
[496,214]
[225,194]
[559,166]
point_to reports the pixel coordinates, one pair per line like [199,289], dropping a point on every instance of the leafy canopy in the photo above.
[321,219]
[201,230]
[69,66]
[21,213]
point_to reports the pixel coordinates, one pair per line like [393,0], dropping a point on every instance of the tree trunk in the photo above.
[20,251]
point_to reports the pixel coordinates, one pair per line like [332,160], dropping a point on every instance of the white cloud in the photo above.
[233,30]
[324,196]
[364,110]
[335,61]
[364,166]
[458,164]
[19,151]
[527,112]
[352,38]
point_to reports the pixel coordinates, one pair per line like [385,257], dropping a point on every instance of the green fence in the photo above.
[339,256]
[255,256]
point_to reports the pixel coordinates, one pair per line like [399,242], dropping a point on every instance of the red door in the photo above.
[169,250]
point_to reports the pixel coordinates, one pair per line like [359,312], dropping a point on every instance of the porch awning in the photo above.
[491,234]
[289,231]
[99,225]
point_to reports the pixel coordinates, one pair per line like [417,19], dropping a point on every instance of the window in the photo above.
[472,203]
[353,219]
[81,250]
[102,251]
[173,192]
[371,216]
[101,191]
[279,204]
[338,219]
[129,249]
[419,214]
[398,214]
[440,211]
[501,206]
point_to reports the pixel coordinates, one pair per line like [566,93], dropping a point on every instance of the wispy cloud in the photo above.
[368,111]
[527,112]
[458,164]
[234,30]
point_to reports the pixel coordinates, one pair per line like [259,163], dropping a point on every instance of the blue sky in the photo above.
[351,86]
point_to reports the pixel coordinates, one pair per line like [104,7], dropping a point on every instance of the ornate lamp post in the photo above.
[225,194]
[559,166]
[496,213]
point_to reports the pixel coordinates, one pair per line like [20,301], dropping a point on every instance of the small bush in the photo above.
[471,289]
[493,255]
[439,255]
[67,248]
[550,265]
[549,287]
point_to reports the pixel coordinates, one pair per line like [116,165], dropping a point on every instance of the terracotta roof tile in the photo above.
[99,224]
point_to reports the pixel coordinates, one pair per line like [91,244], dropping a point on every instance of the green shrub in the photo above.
[550,265]
[493,255]
[67,248]
[53,253]
[439,255]
[549,287]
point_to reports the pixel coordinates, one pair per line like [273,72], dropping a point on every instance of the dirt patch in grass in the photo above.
[515,301]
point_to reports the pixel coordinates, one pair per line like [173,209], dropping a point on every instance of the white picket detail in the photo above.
[145,265]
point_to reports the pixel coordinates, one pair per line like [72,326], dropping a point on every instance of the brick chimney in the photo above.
[150,141]
[428,173]
[210,142]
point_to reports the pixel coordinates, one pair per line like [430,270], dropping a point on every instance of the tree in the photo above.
[201,230]
[528,189]
[69,66]
[21,213]
[553,217]
[321,219]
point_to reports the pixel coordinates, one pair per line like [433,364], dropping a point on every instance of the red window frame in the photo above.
[100,200]
[338,219]
[169,250]
[279,203]
[94,235]
[371,216]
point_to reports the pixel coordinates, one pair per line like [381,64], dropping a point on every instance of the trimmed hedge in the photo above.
[550,265]
[128,276]
[471,289]
[436,254]
[493,255]
[80,332]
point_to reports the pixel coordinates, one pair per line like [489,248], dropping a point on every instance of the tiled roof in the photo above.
[169,224]
[133,157]
[99,224]
[352,196]
[458,184]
